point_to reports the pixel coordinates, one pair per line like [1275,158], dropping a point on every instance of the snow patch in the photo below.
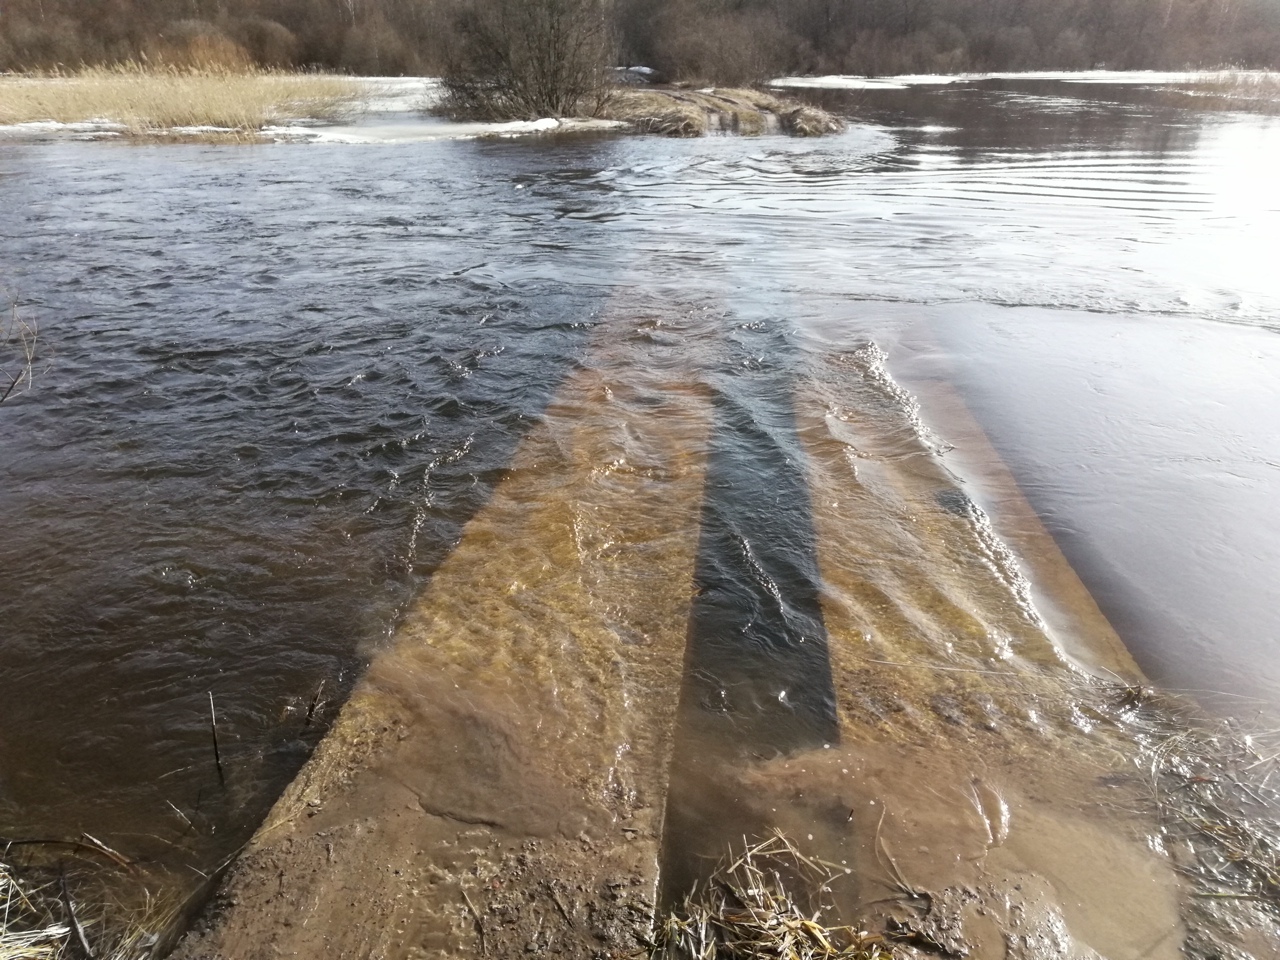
[401,94]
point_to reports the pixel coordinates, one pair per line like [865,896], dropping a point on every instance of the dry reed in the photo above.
[1215,792]
[47,913]
[1248,90]
[765,903]
[30,925]
[145,100]
[18,340]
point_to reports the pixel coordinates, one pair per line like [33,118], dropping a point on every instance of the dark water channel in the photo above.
[277,381]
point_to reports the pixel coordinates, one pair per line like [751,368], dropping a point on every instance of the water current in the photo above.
[277,382]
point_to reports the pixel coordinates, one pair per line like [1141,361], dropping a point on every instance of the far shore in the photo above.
[137,104]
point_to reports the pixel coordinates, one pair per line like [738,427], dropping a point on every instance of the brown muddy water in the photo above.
[728,484]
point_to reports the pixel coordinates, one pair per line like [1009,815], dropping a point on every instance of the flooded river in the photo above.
[715,424]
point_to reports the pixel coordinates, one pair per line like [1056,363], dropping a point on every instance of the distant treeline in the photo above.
[725,41]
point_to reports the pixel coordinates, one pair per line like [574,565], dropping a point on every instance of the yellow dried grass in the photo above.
[146,99]
[764,904]
[29,927]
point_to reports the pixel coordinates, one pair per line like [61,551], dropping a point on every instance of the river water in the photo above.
[276,383]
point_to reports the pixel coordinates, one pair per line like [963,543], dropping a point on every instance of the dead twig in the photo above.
[315,702]
[74,921]
[475,915]
[22,336]
[217,753]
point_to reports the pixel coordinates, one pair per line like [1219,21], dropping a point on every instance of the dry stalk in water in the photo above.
[766,903]
[18,338]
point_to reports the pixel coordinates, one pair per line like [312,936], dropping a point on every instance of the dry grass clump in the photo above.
[1233,90]
[796,118]
[766,903]
[667,113]
[59,906]
[693,113]
[147,99]
[1215,792]
[30,925]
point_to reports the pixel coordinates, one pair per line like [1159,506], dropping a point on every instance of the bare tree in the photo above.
[525,59]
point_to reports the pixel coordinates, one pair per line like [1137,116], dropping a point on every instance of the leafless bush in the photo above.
[198,45]
[375,48]
[268,43]
[729,48]
[525,59]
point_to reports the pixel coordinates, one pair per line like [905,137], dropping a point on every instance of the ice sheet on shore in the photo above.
[400,94]
[1138,77]
[419,130]
[38,129]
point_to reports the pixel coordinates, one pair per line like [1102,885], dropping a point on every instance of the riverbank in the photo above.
[138,103]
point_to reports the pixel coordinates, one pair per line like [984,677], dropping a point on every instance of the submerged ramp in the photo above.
[704,605]
[495,783]
[757,681]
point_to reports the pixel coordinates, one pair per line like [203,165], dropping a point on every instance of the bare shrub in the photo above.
[47,42]
[268,43]
[199,45]
[526,59]
[1069,51]
[722,47]
[375,48]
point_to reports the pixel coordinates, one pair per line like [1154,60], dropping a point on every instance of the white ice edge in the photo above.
[1154,77]
[427,131]
[57,126]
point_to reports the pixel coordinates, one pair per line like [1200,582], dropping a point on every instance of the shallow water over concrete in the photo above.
[875,388]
